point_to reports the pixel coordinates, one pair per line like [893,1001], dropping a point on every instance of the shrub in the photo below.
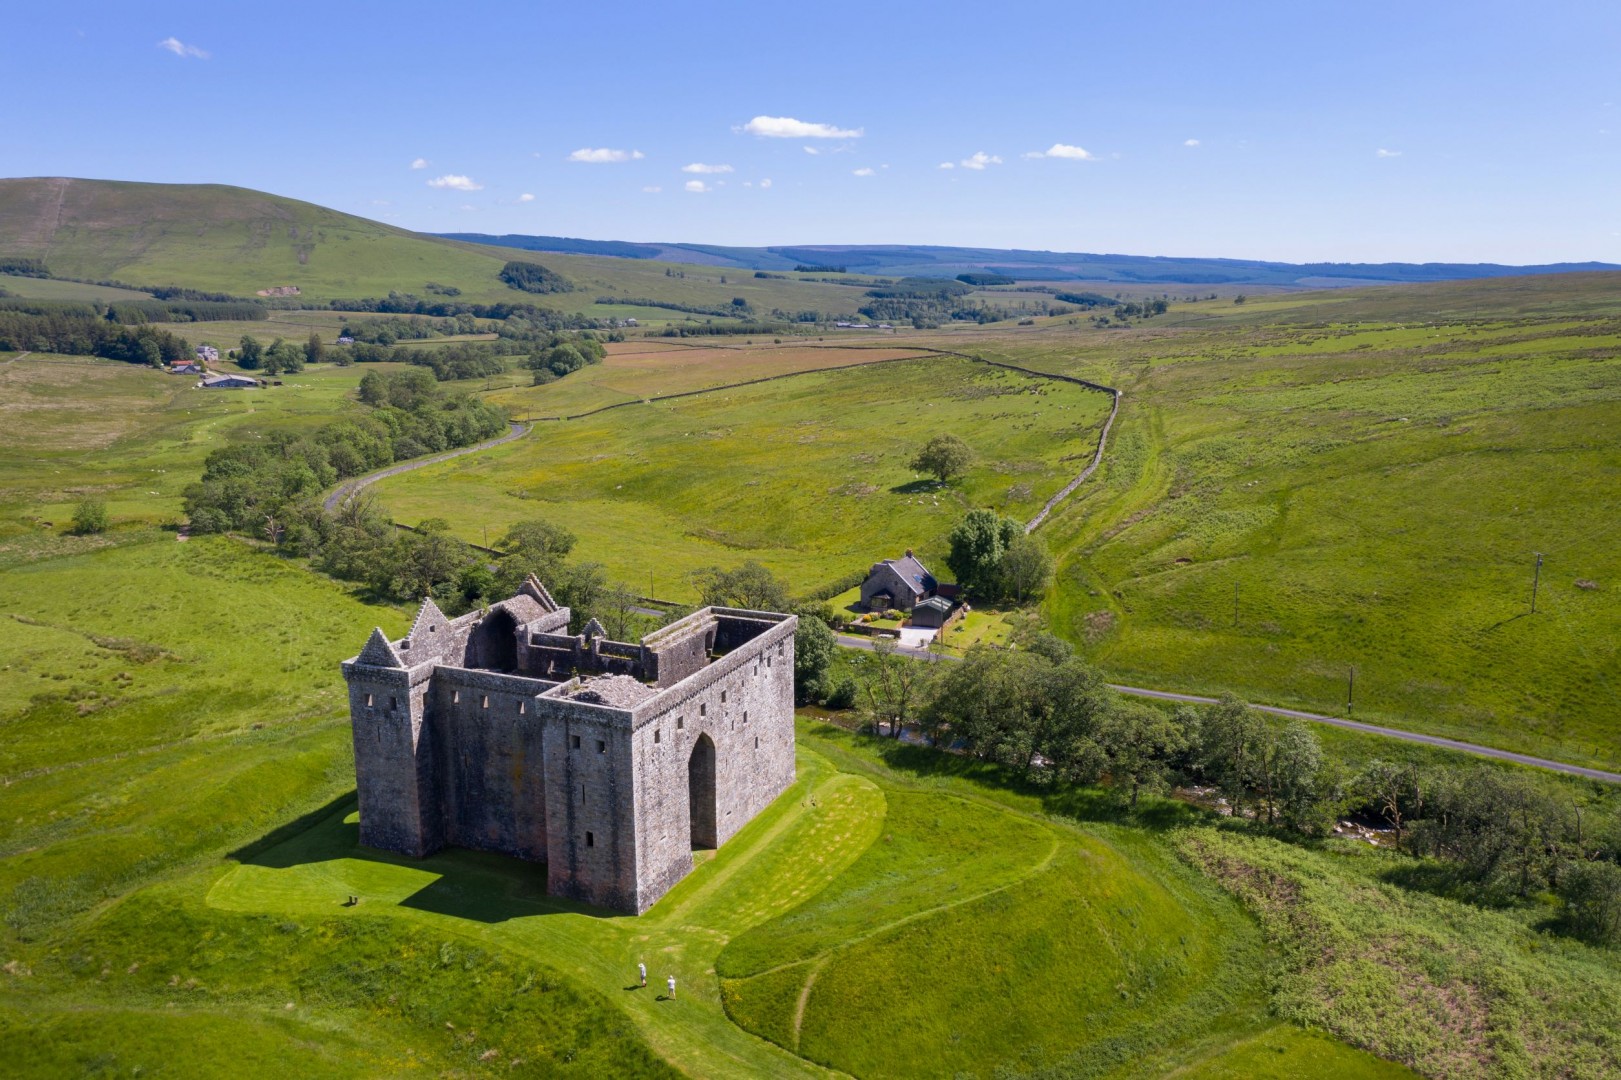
[90,517]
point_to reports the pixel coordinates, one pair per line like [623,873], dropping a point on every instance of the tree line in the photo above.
[272,487]
[89,335]
[1487,834]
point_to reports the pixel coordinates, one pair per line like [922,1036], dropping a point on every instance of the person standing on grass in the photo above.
[670,982]
[641,969]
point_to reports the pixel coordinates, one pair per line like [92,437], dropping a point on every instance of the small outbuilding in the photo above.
[931,614]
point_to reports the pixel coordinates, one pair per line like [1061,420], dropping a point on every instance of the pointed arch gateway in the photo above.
[701,794]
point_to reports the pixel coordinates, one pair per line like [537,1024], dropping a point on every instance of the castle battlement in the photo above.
[608,761]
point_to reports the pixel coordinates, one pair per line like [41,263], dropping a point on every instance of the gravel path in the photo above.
[350,488]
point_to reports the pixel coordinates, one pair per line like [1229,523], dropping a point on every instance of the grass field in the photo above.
[638,370]
[1375,491]
[72,426]
[807,474]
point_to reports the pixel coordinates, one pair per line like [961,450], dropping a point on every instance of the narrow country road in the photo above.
[850,642]
[353,486]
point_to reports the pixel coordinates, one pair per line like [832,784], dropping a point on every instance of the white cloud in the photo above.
[526,197]
[1190,142]
[786,127]
[1382,152]
[604,156]
[697,187]
[700,167]
[380,202]
[766,182]
[862,172]
[469,206]
[420,163]
[1062,150]
[180,48]
[652,189]
[455,183]
[948,164]
[979,161]
[810,149]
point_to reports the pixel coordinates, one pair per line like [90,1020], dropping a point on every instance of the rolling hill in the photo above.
[235,240]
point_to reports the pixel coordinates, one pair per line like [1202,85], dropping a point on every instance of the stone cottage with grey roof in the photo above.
[607,761]
[897,583]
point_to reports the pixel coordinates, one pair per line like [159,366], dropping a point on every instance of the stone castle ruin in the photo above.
[609,762]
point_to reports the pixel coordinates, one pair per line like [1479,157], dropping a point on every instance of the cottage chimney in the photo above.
[908,553]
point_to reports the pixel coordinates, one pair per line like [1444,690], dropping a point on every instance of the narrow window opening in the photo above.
[523,707]
[582,794]
[455,697]
[745,716]
[484,702]
[703,710]
[655,735]
[602,747]
[574,742]
[680,722]
[723,697]
[590,840]
[757,742]
[393,702]
[368,701]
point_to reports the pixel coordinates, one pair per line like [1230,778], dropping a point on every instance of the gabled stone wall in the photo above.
[600,783]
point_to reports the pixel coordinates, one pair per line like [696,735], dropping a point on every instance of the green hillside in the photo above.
[229,239]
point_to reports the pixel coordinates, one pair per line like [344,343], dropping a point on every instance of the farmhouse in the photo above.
[607,761]
[898,583]
[207,354]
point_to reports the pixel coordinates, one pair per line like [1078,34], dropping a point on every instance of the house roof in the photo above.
[935,603]
[913,572]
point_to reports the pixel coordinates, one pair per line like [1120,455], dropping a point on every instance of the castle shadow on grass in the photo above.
[480,886]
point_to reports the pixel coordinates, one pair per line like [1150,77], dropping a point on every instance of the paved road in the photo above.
[350,488]
[1296,714]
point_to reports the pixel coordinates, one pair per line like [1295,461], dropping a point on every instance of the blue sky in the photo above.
[1412,131]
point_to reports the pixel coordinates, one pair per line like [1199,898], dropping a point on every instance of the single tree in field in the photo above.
[90,517]
[944,457]
[314,350]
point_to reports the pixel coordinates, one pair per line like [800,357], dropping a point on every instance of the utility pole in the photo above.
[1536,579]
[1350,692]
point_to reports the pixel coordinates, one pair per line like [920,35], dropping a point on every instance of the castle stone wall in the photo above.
[450,753]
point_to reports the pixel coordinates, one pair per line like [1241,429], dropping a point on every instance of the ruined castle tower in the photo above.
[607,761]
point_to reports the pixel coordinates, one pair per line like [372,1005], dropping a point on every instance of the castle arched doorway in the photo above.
[701,796]
[494,642]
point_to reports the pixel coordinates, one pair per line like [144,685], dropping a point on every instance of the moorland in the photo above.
[1369,472]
